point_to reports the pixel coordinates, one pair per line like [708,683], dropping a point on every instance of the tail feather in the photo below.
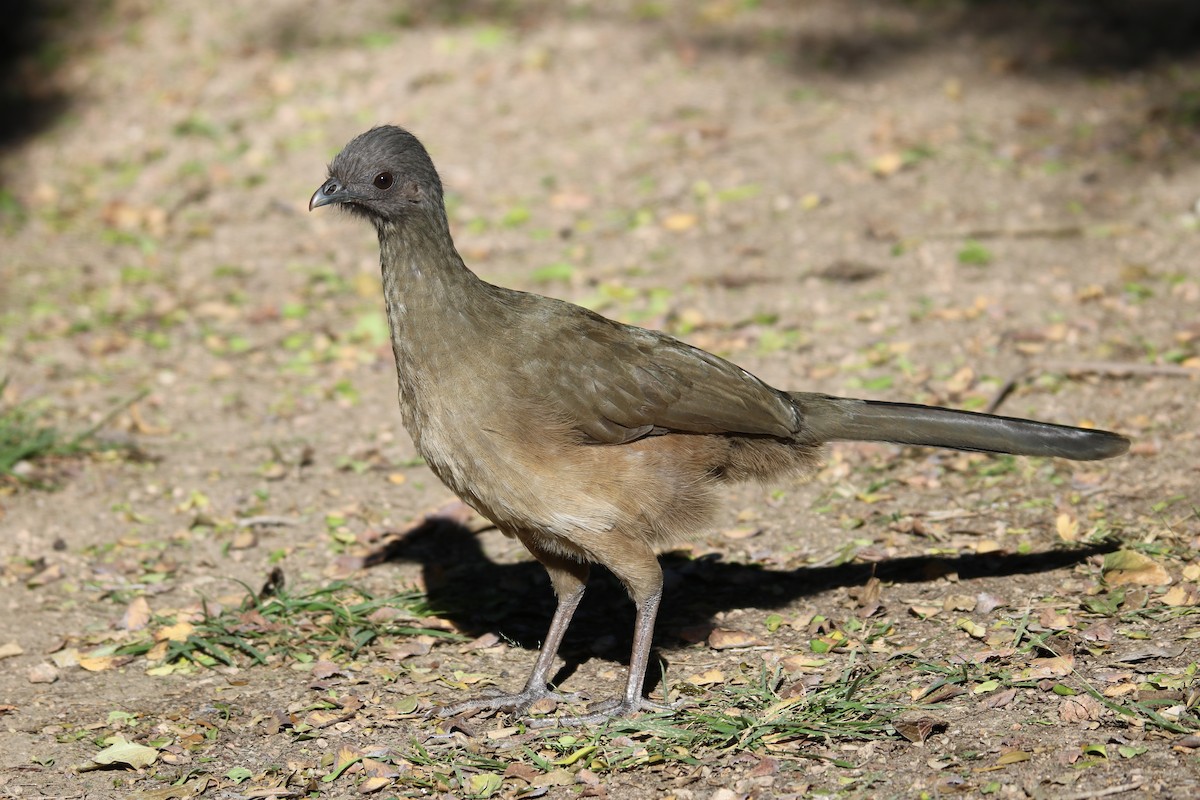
[830,418]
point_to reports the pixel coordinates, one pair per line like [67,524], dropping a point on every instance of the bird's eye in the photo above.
[383,180]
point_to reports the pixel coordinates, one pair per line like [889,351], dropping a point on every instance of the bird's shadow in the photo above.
[515,600]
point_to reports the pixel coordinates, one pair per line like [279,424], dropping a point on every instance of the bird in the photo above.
[590,441]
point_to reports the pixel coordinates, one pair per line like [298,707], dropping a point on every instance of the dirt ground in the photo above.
[947,202]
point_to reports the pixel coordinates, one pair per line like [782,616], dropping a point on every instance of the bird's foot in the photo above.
[599,713]
[518,703]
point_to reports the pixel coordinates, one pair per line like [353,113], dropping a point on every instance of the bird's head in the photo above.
[384,175]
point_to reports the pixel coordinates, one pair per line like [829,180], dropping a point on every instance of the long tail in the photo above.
[836,418]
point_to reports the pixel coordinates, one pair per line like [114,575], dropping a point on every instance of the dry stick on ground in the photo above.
[1108,369]
[1111,790]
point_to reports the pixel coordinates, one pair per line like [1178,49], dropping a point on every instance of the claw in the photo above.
[600,713]
[516,703]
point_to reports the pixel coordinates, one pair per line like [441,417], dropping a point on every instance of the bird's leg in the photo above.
[569,579]
[639,570]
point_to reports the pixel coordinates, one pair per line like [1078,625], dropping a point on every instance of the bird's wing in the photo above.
[616,383]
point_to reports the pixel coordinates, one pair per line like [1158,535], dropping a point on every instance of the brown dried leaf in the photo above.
[679,222]
[1080,708]
[408,648]
[999,699]
[557,777]
[887,164]
[50,574]
[740,533]
[868,597]
[101,663]
[325,718]
[919,729]
[943,693]
[1130,567]
[326,669]
[137,614]
[1012,757]
[1179,595]
[959,602]
[726,639]
[765,766]
[1052,667]
[707,678]
[521,771]
[374,784]
[179,632]
[1067,527]
[1149,651]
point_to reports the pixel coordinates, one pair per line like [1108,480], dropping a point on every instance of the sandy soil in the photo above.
[896,200]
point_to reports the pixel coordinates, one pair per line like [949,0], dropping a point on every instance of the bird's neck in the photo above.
[435,305]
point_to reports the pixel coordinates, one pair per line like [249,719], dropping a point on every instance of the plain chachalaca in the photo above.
[591,441]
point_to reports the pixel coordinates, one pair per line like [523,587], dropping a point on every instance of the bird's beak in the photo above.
[331,191]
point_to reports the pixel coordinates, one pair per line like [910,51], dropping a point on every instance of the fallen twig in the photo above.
[1090,793]
[1110,369]
[266,520]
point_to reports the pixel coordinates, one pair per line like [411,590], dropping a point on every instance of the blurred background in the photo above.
[963,202]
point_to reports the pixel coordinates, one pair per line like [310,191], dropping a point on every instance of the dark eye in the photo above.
[383,180]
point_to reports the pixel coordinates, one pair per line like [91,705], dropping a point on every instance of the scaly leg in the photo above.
[569,579]
[637,567]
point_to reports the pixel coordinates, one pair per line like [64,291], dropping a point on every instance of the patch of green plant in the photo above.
[26,437]
[327,622]
[974,254]
[755,716]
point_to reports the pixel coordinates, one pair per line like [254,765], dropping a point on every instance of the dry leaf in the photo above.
[557,777]
[1067,527]
[740,533]
[959,602]
[1043,668]
[795,663]
[1012,757]
[179,632]
[972,628]
[1150,651]
[918,730]
[543,706]
[679,222]
[707,678]
[1130,567]
[323,719]
[243,540]
[924,611]
[137,614]
[999,699]
[986,603]
[10,649]
[887,164]
[521,771]
[407,649]
[326,669]
[1080,708]
[869,597]
[100,663]
[1178,595]
[374,784]
[725,639]
[50,574]
[122,752]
